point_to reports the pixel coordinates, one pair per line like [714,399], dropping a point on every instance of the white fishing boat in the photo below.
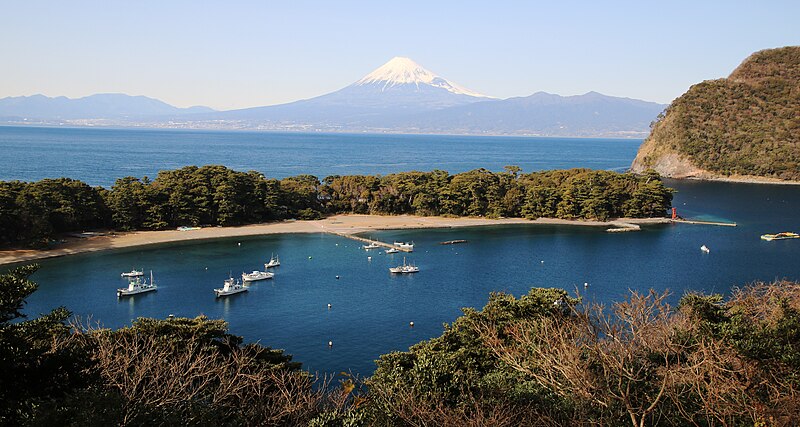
[371,246]
[256,275]
[230,287]
[705,249]
[405,268]
[405,245]
[137,286]
[273,262]
[392,251]
[133,273]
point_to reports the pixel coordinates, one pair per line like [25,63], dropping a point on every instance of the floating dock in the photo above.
[370,241]
[453,242]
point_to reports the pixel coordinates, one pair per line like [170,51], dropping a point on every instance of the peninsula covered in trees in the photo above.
[33,213]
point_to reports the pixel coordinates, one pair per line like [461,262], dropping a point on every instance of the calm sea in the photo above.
[100,156]
[370,308]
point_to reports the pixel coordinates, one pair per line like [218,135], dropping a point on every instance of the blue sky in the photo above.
[235,54]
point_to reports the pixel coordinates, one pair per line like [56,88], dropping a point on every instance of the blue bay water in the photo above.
[100,156]
[371,309]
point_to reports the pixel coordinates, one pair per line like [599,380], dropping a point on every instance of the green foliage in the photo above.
[541,359]
[33,213]
[747,124]
[575,193]
[33,371]
[760,321]
[455,367]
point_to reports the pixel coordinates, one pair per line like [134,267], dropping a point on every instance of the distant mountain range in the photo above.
[105,106]
[401,96]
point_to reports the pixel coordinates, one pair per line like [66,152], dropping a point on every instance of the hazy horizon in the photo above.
[247,54]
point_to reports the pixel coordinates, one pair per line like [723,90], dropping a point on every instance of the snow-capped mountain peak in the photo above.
[403,71]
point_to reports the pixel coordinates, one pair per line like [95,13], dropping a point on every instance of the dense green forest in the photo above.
[545,359]
[747,124]
[32,213]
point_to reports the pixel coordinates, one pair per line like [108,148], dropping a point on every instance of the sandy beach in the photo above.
[339,224]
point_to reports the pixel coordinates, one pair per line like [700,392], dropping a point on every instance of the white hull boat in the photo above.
[273,262]
[256,275]
[404,269]
[133,273]
[371,246]
[137,286]
[230,287]
[408,246]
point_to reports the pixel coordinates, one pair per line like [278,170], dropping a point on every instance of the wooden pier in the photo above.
[370,241]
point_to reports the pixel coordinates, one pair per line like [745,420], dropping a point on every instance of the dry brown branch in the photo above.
[627,358]
[151,374]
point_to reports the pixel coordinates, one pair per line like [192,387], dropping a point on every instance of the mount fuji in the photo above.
[400,96]
[398,87]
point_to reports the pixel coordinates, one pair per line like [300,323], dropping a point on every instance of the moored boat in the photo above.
[780,236]
[273,262]
[256,276]
[133,273]
[705,249]
[371,246]
[392,251]
[405,268]
[405,245]
[230,287]
[137,286]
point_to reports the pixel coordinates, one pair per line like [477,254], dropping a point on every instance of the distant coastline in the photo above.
[232,127]
[342,224]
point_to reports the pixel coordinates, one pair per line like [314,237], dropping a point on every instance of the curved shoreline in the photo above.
[340,224]
[741,180]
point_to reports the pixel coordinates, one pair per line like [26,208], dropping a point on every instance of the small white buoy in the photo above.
[240,243]
[206,268]
[337,277]
[411,324]
[309,257]
[337,244]
[330,343]
[329,306]
[585,284]
[542,261]
[369,258]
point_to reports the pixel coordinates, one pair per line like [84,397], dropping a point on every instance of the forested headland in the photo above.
[746,125]
[545,359]
[33,213]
